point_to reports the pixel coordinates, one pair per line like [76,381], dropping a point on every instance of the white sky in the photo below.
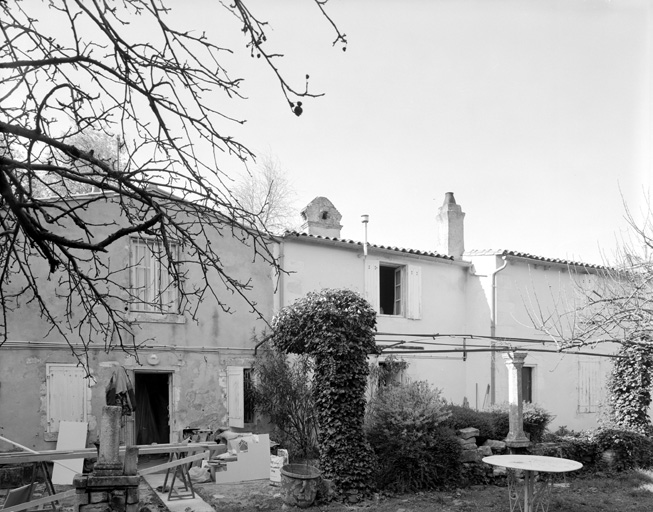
[535,113]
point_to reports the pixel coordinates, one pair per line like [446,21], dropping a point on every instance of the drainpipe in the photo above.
[493,329]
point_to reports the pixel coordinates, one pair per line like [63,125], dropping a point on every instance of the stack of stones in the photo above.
[474,453]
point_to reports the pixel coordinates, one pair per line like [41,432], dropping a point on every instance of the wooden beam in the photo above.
[41,501]
[174,463]
[91,453]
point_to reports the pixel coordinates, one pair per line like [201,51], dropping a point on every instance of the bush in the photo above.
[283,391]
[415,451]
[629,449]
[484,421]
[536,419]
[495,423]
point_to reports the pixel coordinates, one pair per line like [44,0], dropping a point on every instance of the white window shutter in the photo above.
[372,283]
[414,292]
[66,395]
[589,386]
[235,396]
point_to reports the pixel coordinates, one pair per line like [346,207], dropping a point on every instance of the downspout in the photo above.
[493,329]
[277,297]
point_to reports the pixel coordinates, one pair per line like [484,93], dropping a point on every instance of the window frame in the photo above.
[165,290]
[239,401]
[51,423]
[411,288]
[398,279]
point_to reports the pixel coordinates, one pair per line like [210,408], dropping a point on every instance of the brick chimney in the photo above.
[321,218]
[450,228]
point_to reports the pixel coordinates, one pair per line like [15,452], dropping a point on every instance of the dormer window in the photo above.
[325,215]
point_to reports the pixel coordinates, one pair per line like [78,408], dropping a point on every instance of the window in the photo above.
[248,395]
[390,298]
[394,289]
[152,287]
[239,396]
[527,384]
[67,395]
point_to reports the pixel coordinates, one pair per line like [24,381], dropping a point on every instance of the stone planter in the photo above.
[299,483]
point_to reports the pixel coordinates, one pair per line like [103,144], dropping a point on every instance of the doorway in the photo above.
[152,417]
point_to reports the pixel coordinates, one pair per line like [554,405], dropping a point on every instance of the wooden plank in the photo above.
[72,436]
[253,464]
[90,453]
[155,469]
[41,501]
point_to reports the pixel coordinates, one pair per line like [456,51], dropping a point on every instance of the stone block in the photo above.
[463,442]
[99,497]
[97,507]
[496,446]
[117,500]
[469,456]
[81,498]
[466,433]
[484,451]
[132,495]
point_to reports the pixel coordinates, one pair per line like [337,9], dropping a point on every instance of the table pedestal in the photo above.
[533,494]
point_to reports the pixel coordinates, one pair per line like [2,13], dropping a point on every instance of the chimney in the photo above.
[321,218]
[450,228]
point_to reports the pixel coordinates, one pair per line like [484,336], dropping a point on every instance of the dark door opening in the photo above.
[152,407]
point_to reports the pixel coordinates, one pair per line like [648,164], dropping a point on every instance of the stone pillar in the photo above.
[107,488]
[516,437]
[108,462]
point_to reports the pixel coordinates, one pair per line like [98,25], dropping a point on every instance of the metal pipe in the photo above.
[493,329]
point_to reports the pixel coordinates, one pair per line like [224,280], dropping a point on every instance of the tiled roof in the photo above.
[517,254]
[416,252]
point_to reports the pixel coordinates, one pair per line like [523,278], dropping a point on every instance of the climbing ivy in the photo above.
[337,328]
[629,388]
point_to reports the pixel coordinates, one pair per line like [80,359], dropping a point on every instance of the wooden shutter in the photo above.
[235,396]
[66,395]
[140,271]
[589,386]
[414,292]
[372,283]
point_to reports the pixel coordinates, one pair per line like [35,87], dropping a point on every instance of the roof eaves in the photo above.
[354,243]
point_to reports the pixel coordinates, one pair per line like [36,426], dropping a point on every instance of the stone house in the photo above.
[444,310]
[188,373]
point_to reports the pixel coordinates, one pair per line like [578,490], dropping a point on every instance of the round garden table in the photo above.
[535,494]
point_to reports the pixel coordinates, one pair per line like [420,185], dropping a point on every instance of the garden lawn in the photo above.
[625,492]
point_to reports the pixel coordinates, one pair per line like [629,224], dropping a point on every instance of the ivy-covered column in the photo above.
[629,387]
[337,328]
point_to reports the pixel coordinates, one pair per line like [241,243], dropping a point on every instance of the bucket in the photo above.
[299,483]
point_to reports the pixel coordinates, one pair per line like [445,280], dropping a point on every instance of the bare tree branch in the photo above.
[122,70]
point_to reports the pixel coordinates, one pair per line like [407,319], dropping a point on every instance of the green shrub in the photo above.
[495,422]
[283,391]
[536,420]
[415,451]
[629,449]
[484,421]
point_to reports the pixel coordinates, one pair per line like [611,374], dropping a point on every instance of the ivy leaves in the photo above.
[336,327]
